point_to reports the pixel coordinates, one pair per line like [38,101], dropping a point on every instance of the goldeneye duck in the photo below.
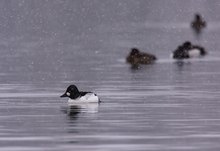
[136,57]
[76,96]
[198,24]
[187,50]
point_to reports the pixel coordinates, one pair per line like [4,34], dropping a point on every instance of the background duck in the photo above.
[198,23]
[136,57]
[187,50]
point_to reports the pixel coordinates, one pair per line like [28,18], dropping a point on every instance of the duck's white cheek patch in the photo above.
[67,93]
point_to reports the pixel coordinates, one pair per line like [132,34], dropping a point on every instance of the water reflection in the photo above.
[181,63]
[140,68]
[73,110]
[135,67]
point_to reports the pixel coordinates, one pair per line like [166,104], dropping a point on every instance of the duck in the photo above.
[188,50]
[76,96]
[136,57]
[198,23]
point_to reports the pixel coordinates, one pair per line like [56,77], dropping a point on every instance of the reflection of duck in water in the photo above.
[198,23]
[77,97]
[74,110]
[71,111]
[187,50]
[136,57]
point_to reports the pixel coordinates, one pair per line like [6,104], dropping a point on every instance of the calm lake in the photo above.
[46,45]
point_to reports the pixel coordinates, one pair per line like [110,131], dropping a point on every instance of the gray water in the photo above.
[47,45]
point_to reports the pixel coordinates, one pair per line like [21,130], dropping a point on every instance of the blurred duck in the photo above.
[136,57]
[187,50]
[198,23]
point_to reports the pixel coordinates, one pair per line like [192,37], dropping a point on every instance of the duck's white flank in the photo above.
[194,53]
[88,98]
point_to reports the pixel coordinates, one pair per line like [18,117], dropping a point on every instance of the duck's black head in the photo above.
[71,92]
[197,16]
[187,45]
[134,51]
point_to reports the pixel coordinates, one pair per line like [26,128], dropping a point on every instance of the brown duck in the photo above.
[198,24]
[136,57]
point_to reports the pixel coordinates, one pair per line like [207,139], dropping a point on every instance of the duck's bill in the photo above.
[64,95]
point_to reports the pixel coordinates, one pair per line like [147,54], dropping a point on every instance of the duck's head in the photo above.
[71,92]
[187,45]
[197,16]
[134,51]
